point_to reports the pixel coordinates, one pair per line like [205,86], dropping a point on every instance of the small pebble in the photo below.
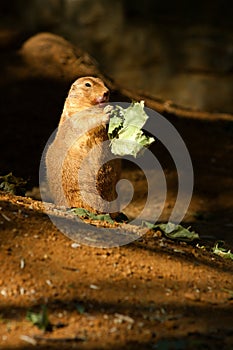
[5,217]
[28,339]
[21,291]
[178,251]
[75,245]
[93,286]
[124,318]
[22,263]
[113,330]
[3,292]
[140,324]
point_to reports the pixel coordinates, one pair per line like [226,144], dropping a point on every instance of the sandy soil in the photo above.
[151,294]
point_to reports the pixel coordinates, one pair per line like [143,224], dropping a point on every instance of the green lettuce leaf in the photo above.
[13,184]
[86,214]
[224,253]
[125,132]
[40,319]
[173,231]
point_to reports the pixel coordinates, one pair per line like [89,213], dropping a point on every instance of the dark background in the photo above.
[180,50]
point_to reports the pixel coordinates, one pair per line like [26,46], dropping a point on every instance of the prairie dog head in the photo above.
[84,93]
[88,91]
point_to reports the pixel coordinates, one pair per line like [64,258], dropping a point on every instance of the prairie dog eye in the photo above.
[88,84]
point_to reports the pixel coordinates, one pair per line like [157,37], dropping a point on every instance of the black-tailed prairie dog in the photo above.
[75,174]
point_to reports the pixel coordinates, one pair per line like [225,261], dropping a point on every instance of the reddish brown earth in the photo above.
[151,294]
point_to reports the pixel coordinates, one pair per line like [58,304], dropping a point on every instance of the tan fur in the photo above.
[68,153]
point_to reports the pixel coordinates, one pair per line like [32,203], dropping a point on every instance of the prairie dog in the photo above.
[82,129]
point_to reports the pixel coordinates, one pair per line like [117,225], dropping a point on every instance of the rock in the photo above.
[51,56]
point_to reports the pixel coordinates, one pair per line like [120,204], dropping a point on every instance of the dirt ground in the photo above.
[151,294]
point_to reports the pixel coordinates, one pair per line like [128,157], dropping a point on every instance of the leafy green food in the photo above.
[13,184]
[224,253]
[86,214]
[125,130]
[40,319]
[173,231]
[80,308]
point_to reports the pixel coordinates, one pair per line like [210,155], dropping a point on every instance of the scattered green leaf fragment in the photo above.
[81,212]
[86,214]
[13,184]
[125,132]
[80,308]
[102,217]
[40,319]
[148,224]
[224,253]
[201,246]
[173,231]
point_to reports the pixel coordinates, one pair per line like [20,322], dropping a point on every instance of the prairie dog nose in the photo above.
[103,98]
[106,95]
